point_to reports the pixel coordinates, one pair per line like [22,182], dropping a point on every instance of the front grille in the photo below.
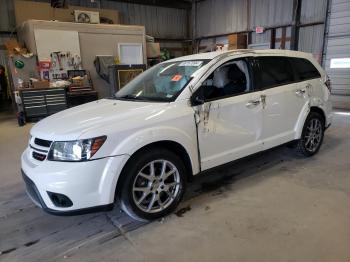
[38,156]
[42,142]
[40,148]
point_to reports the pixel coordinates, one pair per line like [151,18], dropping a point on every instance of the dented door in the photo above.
[229,128]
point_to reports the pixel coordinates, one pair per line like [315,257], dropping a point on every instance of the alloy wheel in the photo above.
[313,135]
[156,186]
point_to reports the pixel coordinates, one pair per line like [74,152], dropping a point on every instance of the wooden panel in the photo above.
[237,41]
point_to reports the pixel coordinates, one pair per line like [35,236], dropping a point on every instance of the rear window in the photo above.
[304,69]
[275,71]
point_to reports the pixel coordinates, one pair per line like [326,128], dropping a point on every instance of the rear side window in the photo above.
[274,71]
[304,69]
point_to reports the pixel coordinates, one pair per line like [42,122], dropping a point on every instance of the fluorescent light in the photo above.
[342,113]
[340,63]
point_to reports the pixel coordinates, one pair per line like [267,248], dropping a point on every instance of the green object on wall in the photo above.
[19,64]
[165,54]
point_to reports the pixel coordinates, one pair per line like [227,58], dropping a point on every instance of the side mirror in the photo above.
[197,99]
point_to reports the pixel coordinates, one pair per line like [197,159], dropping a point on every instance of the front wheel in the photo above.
[153,184]
[312,135]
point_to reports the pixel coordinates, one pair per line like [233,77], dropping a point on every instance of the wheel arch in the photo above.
[170,145]
[319,111]
[303,116]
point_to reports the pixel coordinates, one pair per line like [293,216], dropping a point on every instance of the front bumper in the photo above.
[89,185]
[35,196]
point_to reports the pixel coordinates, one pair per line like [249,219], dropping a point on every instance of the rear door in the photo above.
[283,99]
[308,77]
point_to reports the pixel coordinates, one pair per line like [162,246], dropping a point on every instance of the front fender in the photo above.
[144,137]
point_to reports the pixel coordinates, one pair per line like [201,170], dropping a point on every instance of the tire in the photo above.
[311,136]
[145,195]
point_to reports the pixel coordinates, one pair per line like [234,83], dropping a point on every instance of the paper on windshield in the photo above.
[191,63]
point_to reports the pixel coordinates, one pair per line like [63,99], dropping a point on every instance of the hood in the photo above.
[72,123]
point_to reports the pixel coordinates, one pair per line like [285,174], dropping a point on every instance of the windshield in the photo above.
[163,82]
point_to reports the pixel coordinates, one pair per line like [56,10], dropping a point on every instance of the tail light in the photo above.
[327,82]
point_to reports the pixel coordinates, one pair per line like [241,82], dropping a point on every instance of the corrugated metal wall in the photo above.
[311,37]
[261,38]
[159,22]
[270,13]
[338,46]
[216,17]
[311,40]
[313,11]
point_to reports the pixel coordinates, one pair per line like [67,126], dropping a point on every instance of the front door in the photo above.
[229,122]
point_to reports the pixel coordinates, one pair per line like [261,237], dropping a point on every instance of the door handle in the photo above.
[300,92]
[253,103]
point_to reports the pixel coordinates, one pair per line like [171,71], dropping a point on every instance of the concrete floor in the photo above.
[270,207]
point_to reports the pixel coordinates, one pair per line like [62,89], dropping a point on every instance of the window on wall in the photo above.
[304,69]
[274,71]
[230,79]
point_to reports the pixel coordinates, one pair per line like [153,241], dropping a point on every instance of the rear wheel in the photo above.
[312,135]
[153,184]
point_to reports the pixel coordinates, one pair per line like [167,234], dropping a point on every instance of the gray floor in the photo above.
[271,207]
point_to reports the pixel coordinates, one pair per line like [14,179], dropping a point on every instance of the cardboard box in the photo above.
[237,41]
[26,10]
[41,84]
[152,50]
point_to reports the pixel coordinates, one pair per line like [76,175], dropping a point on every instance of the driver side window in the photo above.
[229,79]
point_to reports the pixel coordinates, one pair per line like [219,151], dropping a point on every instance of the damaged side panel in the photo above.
[227,130]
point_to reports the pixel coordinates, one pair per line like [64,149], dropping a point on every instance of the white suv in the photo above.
[175,120]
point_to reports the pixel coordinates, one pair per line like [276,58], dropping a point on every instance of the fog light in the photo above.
[60,200]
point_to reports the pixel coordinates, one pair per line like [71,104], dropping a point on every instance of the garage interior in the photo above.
[273,206]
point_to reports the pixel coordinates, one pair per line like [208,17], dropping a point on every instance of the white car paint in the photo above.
[228,129]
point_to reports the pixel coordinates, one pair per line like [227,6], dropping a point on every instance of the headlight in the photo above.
[79,150]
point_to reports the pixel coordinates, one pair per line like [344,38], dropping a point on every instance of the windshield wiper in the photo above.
[129,96]
[141,98]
